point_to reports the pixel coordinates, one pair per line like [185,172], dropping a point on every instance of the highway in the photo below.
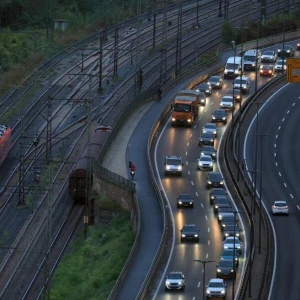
[279,117]
[184,142]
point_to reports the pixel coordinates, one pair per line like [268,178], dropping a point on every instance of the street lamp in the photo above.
[204,262]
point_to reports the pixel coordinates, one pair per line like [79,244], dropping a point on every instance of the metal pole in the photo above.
[256,57]
[197,12]
[100,89]
[203,285]
[233,255]
[154,28]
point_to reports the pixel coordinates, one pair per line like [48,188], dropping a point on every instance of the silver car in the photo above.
[279,65]
[205,162]
[269,56]
[227,103]
[216,288]
[175,281]
[210,127]
[232,242]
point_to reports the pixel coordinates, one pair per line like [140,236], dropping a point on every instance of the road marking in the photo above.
[206,217]
[279,174]
[275,145]
[199,284]
[202,205]
[205,111]
[191,135]
[211,103]
[192,182]
[288,112]
[195,126]
[298,207]
[189,173]
[199,118]
[276,136]
[275,154]
[188,144]
[285,184]
[186,162]
[186,153]
[291,196]
[208,230]
[294,103]
[206,255]
[208,243]
[196,194]
[276,164]
[279,127]
[283,119]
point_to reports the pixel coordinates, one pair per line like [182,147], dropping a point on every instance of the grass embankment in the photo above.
[91,269]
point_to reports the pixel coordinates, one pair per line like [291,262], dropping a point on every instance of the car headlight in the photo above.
[236,71]
[237,234]
[207,91]
[167,282]
[189,120]
[191,202]
[226,247]
[223,292]
[221,182]
[288,51]
[215,132]
[213,154]
[167,167]
[209,182]
[226,234]
[204,131]
[216,206]
[207,292]
[211,140]
[195,235]
[180,202]
[224,118]
[183,235]
[179,168]
[225,71]
[218,270]
[202,100]
[217,83]
[202,154]
[173,119]
[232,270]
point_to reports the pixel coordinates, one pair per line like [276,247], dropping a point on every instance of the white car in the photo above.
[210,127]
[227,103]
[216,288]
[278,66]
[280,207]
[232,242]
[175,281]
[205,162]
[269,56]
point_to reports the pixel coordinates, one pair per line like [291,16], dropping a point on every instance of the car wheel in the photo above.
[183,288]
[178,206]
[192,206]
[182,240]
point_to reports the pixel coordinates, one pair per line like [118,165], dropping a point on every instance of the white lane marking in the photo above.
[206,217]
[279,174]
[191,135]
[199,284]
[188,144]
[186,153]
[205,110]
[186,162]
[283,119]
[276,136]
[208,230]
[208,243]
[192,182]
[189,173]
[275,154]
[291,196]
[294,104]
[279,127]
[285,184]
[211,103]
[202,205]
[275,145]
[298,207]
[206,255]
[199,118]
[288,112]
[196,194]
[193,298]
[276,164]
[195,126]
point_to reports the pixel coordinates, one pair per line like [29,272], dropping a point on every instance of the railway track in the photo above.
[35,219]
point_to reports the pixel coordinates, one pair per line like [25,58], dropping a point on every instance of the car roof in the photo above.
[173,157]
[214,174]
[206,147]
[211,124]
[190,225]
[208,134]
[206,156]
[217,280]
[220,110]
[185,195]
[279,201]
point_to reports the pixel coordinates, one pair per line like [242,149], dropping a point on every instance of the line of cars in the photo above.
[190,232]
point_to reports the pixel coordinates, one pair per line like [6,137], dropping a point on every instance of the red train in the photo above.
[5,141]
[78,181]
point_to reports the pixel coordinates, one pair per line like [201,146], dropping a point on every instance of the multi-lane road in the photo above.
[184,142]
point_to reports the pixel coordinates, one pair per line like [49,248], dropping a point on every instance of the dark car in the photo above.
[228,220]
[189,232]
[216,82]
[235,93]
[286,51]
[225,269]
[298,46]
[224,211]
[208,150]
[231,230]
[227,254]
[214,179]
[207,138]
[205,88]
[219,115]
[185,200]
[216,192]
[221,201]
[267,70]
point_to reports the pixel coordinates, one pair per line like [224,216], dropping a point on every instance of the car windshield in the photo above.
[203,86]
[203,158]
[185,196]
[182,107]
[225,263]
[207,135]
[214,79]
[210,126]
[232,66]
[240,81]
[173,161]
[219,112]
[174,276]
[279,62]
[189,229]
[229,252]
[218,192]
[280,204]
[216,284]
[266,67]
[249,58]
[225,99]
[222,201]
[268,53]
[231,240]
[215,176]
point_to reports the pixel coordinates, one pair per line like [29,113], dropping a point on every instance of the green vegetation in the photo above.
[93,266]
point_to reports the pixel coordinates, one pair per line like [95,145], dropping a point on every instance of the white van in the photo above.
[234,67]
[252,59]
[243,83]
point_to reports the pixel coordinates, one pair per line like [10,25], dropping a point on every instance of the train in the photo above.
[5,141]
[79,181]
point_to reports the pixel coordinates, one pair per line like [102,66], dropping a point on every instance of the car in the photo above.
[208,150]
[232,242]
[216,82]
[269,56]
[205,162]
[224,212]
[189,232]
[216,288]
[231,230]
[286,51]
[225,268]
[210,127]
[173,165]
[235,93]
[214,179]
[206,138]
[266,70]
[228,254]
[298,46]
[226,221]
[227,103]
[279,64]
[185,200]
[219,115]
[242,83]
[216,192]
[175,281]
[221,201]
[204,87]
[280,207]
